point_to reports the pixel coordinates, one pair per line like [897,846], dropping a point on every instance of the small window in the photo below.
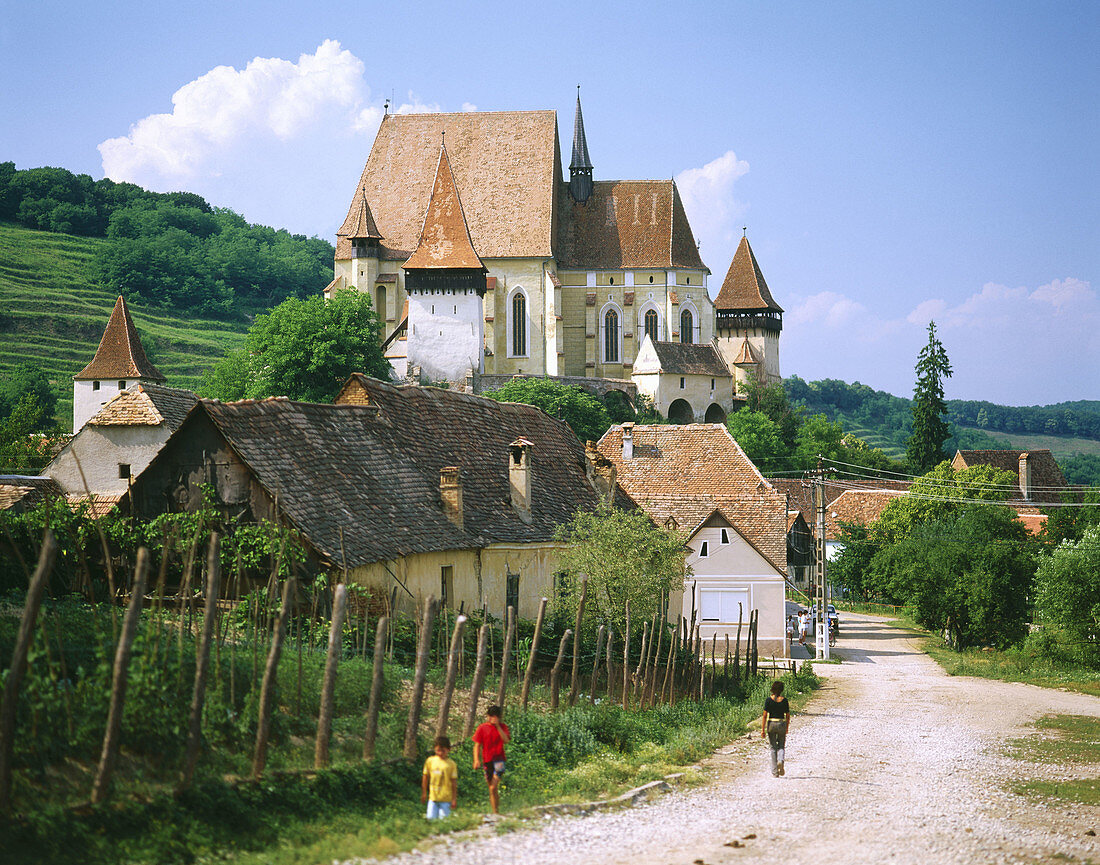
[704,550]
[712,384]
[682,383]
[689,280]
[446,585]
[652,324]
[725,536]
[124,470]
[511,593]
[433,309]
[456,310]
[95,385]
[611,281]
[651,279]
[121,385]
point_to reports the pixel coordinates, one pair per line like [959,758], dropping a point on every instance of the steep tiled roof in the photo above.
[444,239]
[685,469]
[745,354]
[506,165]
[801,495]
[120,354]
[857,506]
[679,358]
[363,226]
[98,504]
[1047,481]
[744,286]
[146,405]
[24,492]
[625,224]
[374,469]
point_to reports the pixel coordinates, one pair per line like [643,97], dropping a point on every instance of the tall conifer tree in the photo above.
[925,447]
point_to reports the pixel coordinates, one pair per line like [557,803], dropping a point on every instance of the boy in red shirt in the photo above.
[489,741]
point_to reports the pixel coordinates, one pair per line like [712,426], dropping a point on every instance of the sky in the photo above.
[894,163]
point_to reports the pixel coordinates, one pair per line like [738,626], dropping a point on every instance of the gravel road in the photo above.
[893,761]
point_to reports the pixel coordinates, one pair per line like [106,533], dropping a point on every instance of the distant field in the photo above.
[1060,446]
[53,316]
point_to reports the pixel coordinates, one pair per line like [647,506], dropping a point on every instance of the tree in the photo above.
[28,379]
[771,399]
[760,438]
[303,349]
[24,449]
[585,414]
[1067,591]
[626,558]
[930,430]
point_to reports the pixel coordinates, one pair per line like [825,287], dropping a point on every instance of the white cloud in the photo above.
[711,207]
[469,106]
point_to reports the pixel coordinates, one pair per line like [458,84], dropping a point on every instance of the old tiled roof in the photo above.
[97,504]
[444,239]
[146,405]
[860,507]
[24,492]
[120,354]
[627,224]
[678,358]
[685,469]
[745,354]
[374,469]
[744,286]
[506,165]
[363,226]
[1047,481]
[801,494]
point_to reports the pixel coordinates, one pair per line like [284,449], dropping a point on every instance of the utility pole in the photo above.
[821,586]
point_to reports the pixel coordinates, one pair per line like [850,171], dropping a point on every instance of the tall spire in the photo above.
[445,238]
[120,354]
[580,166]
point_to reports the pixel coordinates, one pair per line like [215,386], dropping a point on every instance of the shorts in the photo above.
[494,768]
[438,810]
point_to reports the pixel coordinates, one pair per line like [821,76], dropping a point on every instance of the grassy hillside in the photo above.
[53,316]
[1060,446]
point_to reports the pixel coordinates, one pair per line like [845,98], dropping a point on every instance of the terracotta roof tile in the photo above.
[744,286]
[146,405]
[24,492]
[860,507]
[745,354]
[363,226]
[444,239]
[678,358]
[683,470]
[1048,482]
[98,505]
[120,354]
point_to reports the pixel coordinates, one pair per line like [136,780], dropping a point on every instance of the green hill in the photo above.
[52,315]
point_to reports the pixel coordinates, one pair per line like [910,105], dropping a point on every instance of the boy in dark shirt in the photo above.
[774,725]
[489,741]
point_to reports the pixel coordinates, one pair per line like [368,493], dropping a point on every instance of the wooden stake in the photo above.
[555,674]
[737,647]
[101,786]
[641,657]
[626,658]
[267,688]
[423,655]
[575,685]
[669,663]
[610,667]
[328,687]
[509,638]
[650,697]
[479,679]
[534,649]
[596,664]
[198,695]
[452,673]
[18,668]
[377,681]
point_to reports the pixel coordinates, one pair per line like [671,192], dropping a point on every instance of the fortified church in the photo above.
[484,263]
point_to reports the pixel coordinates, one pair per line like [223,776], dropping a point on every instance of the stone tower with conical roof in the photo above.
[119,362]
[445,281]
[580,166]
[748,321]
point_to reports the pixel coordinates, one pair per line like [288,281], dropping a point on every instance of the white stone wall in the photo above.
[99,450]
[446,334]
[90,396]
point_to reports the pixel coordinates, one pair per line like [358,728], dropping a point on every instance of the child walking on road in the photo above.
[439,783]
[489,741]
[774,725]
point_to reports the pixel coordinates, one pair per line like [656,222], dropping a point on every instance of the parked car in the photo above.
[834,619]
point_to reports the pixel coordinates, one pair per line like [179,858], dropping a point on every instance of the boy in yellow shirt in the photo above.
[439,783]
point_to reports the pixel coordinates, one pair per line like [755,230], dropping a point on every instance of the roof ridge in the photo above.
[120,353]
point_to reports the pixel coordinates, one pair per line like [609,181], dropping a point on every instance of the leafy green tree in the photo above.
[761,439]
[771,400]
[1063,524]
[29,379]
[303,349]
[930,430]
[1067,591]
[626,558]
[585,414]
[24,447]
[852,562]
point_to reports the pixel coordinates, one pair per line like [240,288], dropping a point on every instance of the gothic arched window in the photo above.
[651,324]
[519,324]
[687,326]
[611,337]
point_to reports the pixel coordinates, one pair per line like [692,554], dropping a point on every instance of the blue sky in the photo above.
[892,161]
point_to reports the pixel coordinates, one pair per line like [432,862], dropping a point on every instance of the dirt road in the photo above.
[893,762]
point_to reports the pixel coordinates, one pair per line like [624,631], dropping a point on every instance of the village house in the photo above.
[418,491]
[697,479]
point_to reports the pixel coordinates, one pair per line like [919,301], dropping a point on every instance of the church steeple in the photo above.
[580,166]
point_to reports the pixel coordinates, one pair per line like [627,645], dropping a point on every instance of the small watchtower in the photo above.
[119,362]
[748,321]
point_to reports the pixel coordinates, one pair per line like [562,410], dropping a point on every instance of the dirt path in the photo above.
[894,761]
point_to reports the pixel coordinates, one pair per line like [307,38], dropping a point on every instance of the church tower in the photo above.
[748,321]
[445,282]
[119,362]
[580,166]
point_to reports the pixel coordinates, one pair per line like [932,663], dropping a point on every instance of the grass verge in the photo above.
[1066,741]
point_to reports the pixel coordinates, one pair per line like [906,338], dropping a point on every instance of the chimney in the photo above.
[519,477]
[601,472]
[1025,475]
[450,491]
[628,441]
